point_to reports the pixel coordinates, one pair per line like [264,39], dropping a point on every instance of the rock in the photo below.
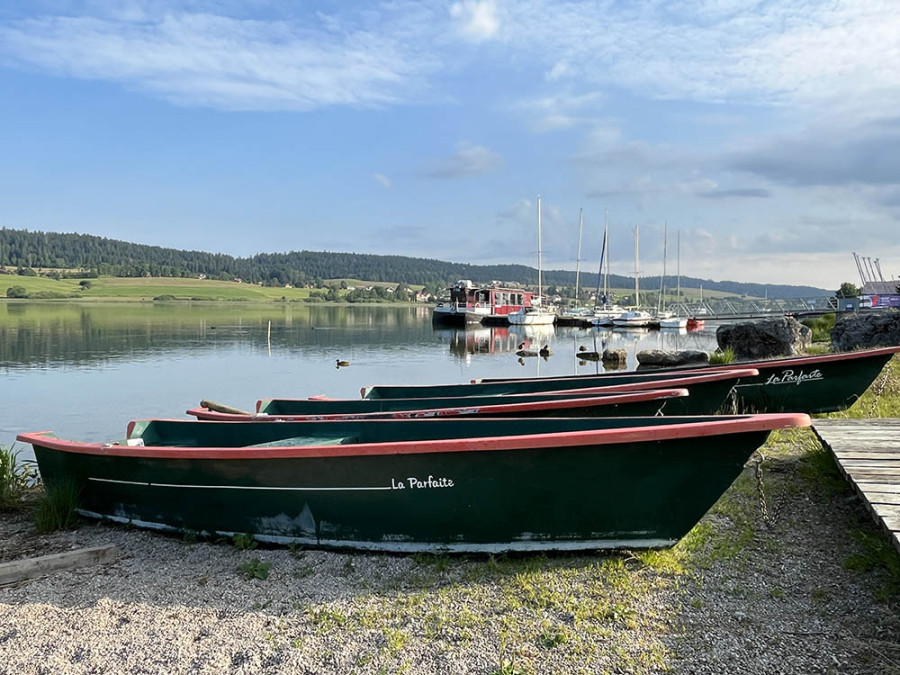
[764,339]
[871,329]
[614,356]
[660,357]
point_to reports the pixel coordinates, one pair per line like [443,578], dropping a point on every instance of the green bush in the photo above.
[820,326]
[16,292]
[15,478]
[48,295]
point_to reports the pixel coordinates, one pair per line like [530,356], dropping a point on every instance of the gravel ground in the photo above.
[776,579]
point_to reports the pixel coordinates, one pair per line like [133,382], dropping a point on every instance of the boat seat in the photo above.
[305,440]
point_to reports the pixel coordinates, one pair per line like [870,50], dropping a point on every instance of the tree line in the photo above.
[85,256]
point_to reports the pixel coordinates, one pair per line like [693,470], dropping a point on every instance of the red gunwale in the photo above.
[690,377]
[766,422]
[464,410]
[800,360]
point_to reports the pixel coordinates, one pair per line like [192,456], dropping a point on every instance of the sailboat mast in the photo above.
[578,256]
[637,286]
[540,283]
[606,252]
[660,303]
[678,266]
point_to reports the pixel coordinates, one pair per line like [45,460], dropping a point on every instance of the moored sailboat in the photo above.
[536,314]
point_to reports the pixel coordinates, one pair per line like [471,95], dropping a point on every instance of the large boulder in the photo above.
[764,339]
[869,329]
[614,357]
[660,357]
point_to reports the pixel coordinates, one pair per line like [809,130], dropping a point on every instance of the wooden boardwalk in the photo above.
[868,454]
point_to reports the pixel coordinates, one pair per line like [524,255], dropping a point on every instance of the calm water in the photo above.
[85,370]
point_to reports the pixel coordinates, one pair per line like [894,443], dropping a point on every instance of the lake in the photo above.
[83,370]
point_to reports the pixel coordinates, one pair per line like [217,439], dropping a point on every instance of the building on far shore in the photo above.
[880,294]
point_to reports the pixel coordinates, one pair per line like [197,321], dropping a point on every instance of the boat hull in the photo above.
[528,492]
[811,384]
[595,404]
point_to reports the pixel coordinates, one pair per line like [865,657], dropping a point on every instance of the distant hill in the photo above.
[111,257]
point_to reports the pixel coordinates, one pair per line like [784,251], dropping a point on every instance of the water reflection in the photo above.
[84,370]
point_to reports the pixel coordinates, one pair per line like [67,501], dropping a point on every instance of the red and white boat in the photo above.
[472,304]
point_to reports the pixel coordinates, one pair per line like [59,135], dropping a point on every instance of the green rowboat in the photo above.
[470,484]
[581,404]
[811,384]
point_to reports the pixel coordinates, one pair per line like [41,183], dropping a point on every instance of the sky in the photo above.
[763,135]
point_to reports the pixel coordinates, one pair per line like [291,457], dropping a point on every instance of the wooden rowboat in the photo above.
[710,391]
[578,404]
[811,384]
[468,484]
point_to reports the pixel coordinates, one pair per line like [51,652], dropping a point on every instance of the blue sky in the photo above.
[766,133]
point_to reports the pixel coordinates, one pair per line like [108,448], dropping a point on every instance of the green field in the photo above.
[148,288]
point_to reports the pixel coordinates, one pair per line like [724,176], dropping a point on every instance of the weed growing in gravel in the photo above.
[876,554]
[553,635]
[326,618]
[255,569]
[244,542]
[15,478]
[57,508]
[509,667]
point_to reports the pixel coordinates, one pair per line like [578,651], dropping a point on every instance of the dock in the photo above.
[867,453]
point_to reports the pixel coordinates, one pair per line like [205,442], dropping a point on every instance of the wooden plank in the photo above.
[866,450]
[888,475]
[878,486]
[848,441]
[860,476]
[883,497]
[17,570]
[871,463]
[877,422]
[887,510]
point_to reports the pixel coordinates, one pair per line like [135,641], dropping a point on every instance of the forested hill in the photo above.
[36,250]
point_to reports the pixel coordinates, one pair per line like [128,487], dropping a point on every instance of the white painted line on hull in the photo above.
[238,487]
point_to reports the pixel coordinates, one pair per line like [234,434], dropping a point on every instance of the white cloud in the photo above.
[840,56]
[381,179]
[477,19]
[224,62]
[468,160]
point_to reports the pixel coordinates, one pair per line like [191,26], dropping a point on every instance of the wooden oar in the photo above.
[219,407]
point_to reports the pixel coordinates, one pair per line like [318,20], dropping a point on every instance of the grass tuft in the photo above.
[57,508]
[876,554]
[721,356]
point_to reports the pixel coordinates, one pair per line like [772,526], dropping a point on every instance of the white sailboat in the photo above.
[667,319]
[635,318]
[535,315]
[604,313]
